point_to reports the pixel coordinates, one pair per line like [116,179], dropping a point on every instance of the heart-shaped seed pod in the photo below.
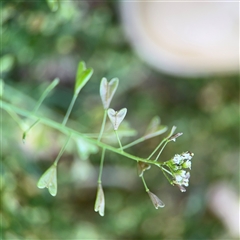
[116,117]
[107,90]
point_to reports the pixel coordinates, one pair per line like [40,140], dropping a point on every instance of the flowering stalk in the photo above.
[175,169]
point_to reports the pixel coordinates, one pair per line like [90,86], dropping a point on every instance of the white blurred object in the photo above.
[225,204]
[184,38]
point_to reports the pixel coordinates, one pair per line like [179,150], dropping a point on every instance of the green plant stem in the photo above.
[62,150]
[67,130]
[103,125]
[144,183]
[134,142]
[52,85]
[159,145]
[142,139]
[161,150]
[101,166]
[120,144]
[25,132]
[165,170]
[69,109]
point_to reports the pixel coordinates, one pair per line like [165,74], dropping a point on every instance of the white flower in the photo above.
[177,159]
[187,164]
[182,178]
[187,155]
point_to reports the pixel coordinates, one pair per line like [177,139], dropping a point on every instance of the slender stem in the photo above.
[45,93]
[165,170]
[103,125]
[25,132]
[161,150]
[120,144]
[69,109]
[66,130]
[144,183]
[159,145]
[134,143]
[101,166]
[62,150]
[144,138]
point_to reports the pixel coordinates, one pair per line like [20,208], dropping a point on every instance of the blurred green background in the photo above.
[38,45]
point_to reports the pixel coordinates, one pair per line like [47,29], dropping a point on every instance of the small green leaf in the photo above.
[49,180]
[53,5]
[107,91]
[116,117]
[82,77]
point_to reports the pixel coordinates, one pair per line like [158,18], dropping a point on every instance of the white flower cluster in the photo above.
[177,165]
[181,179]
[183,160]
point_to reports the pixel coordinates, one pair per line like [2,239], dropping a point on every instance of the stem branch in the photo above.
[62,150]
[101,166]
[69,109]
[67,130]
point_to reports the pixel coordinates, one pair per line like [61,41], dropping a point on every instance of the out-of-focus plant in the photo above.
[174,169]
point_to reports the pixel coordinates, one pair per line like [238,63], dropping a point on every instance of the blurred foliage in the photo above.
[38,45]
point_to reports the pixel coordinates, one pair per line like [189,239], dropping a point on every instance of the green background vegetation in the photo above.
[39,45]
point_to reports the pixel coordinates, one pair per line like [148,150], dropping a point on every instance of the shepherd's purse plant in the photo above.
[176,169]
